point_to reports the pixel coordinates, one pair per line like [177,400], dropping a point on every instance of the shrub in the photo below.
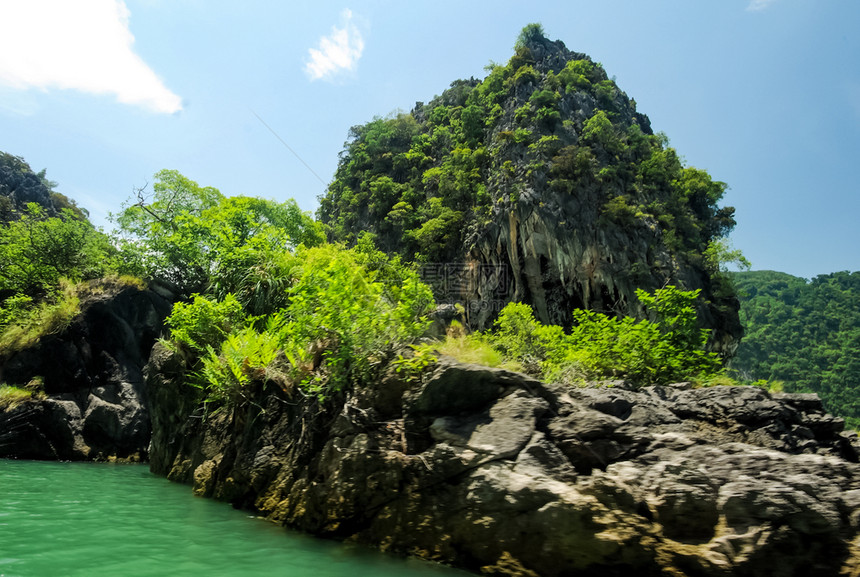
[204,323]
[242,358]
[14,307]
[345,312]
[37,251]
[340,315]
[412,366]
[669,348]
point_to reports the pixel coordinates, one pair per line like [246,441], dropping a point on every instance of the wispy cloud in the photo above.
[337,52]
[84,46]
[759,5]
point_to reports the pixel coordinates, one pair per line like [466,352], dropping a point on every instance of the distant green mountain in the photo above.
[805,333]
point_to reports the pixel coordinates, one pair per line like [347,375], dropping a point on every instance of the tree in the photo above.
[36,251]
[803,333]
[529,34]
[193,236]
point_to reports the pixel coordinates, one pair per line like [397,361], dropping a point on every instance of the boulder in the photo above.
[96,406]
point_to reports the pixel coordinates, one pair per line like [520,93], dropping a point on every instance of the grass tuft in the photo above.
[47,318]
[471,348]
[11,397]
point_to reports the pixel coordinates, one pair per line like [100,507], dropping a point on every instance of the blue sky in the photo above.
[764,94]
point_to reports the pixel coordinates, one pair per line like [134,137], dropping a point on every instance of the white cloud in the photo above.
[337,52]
[83,46]
[759,5]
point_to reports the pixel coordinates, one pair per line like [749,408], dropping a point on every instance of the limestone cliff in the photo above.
[542,184]
[498,473]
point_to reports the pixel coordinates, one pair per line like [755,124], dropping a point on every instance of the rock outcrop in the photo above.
[92,376]
[499,473]
[19,185]
[539,184]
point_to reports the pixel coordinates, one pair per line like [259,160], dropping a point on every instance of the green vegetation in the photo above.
[431,183]
[11,397]
[30,324]
[200,240]
[664,348]
[803,333]
[36,251]
[346,313]
[268,300]
[669,347]
[47,251]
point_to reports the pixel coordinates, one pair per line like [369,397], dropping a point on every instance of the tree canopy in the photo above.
[196,238]
[804,333]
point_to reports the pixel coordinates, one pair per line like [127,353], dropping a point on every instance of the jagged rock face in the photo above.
[540,184]
[96,404]
[19,186]
[499,473]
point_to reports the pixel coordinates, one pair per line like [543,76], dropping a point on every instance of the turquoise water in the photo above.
[93,520]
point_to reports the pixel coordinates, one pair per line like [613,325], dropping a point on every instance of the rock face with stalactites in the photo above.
[95,406]
[496,472]
[559,220]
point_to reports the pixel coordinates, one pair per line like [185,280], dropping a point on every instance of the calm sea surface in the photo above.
[93,520]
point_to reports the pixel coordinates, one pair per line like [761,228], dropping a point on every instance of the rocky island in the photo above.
[265,367]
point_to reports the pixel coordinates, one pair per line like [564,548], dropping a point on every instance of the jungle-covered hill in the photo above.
[804,333]
[20,185]
[542,184]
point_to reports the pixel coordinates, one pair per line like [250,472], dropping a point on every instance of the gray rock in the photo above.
[93,377]
[495,472]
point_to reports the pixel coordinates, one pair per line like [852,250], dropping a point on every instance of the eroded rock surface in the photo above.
[93,379]
[499,473]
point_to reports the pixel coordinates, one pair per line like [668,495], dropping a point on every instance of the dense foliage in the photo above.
[668,347]
[36,251]
[804,333]
[41,261]
[428,183]
[268,300]
[47,247]
[341,318]
[200,240]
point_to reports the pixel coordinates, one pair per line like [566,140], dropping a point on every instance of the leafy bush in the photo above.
[190,235]
[204,323]
[529,34]
[14,307]
[345,312]
[344,321]
[413,365]
[669,348]
[243,357]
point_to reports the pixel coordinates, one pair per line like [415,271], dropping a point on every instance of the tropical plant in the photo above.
[668,348]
